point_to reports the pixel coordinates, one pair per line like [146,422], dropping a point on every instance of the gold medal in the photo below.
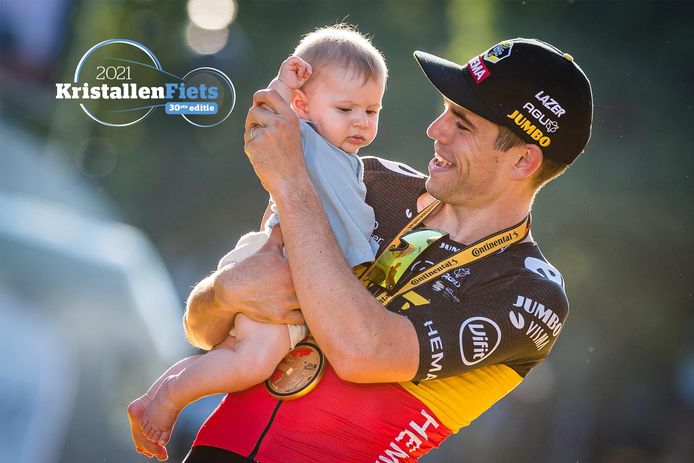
[298,372]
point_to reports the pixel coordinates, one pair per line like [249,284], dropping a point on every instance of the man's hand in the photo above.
[273,141]
[261,285]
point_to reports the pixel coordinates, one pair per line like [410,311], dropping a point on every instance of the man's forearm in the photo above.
[363,341]
[259,286]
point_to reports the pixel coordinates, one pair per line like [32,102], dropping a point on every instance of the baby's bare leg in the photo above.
[229,367]
[175,369]
[138,407]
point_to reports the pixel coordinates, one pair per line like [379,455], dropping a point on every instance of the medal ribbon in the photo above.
[474,252]
[395,242]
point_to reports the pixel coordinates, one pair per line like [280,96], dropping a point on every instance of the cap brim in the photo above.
[450,80]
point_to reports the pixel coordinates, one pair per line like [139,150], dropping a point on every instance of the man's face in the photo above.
[344,107]
[466,168]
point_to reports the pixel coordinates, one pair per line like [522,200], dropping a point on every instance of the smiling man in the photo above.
[460,303]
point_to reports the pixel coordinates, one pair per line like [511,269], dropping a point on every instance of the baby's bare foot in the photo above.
[160,416]
[136,411]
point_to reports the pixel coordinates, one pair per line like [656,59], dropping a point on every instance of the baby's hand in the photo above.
[294,72]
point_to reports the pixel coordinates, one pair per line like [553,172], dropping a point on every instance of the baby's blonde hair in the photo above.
[343,45]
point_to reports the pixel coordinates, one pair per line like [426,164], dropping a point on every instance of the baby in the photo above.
[334,82]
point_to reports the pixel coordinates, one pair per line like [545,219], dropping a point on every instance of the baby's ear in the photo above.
[300,104]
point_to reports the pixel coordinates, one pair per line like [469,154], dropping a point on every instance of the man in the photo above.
[467,315]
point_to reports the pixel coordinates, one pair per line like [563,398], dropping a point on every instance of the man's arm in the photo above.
[260,286]
[363,341]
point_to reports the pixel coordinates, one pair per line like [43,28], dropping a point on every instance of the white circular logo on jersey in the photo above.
[544,269]
[479,338]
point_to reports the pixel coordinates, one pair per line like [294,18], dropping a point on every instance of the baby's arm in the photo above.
[294,72]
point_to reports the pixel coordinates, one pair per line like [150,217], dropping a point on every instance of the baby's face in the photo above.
[344,108]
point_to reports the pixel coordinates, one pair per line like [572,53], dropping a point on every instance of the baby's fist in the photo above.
[294,72]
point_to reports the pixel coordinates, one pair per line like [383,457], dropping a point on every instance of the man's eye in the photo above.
[344,110]
[460,126]
[371,112]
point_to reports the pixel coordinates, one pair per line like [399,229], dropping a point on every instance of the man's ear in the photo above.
[300,104]
[529,158]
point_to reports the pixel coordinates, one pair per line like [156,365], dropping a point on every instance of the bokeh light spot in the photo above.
[204,41]
[212,14]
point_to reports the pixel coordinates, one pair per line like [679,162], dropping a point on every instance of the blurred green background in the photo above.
[619,385]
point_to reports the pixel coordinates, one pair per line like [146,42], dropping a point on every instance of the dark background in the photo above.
[619,385]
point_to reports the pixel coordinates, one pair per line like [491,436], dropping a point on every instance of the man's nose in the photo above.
[437,129]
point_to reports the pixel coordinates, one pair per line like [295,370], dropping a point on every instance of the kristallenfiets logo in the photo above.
[119,82]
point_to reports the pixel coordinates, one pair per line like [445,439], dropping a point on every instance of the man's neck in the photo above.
[467,224]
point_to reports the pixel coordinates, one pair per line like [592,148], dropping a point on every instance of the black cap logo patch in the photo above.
[498,52]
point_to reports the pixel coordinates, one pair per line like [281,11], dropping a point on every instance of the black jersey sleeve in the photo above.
[514,321]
